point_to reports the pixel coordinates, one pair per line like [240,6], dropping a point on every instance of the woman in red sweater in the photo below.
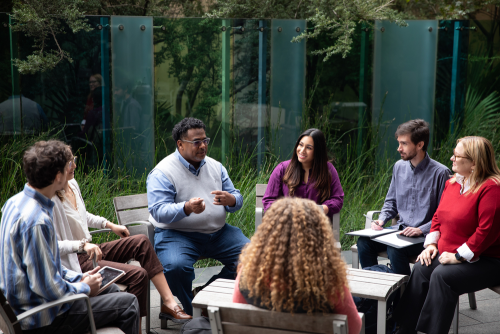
[462,250]
[292,265]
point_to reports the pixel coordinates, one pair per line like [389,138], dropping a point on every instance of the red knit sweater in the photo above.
[469,218]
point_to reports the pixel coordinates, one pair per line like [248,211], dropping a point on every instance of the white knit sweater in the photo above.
[71,231]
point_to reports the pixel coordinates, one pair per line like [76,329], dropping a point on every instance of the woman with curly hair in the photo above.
[308,174]
[292,265]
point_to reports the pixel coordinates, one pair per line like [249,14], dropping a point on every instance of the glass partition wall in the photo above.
[133,78]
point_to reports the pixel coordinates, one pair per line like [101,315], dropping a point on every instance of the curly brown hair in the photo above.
[292,259]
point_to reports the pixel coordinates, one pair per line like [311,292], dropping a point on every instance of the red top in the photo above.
[346,307]
[469,218]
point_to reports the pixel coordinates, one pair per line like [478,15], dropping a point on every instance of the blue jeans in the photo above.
[178,251]
[368,250]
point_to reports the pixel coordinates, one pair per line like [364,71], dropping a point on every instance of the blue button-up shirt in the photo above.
[415,193]
[31,273]
[161,193]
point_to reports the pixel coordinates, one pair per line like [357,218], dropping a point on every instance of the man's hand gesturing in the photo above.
[196,205]
[223,198]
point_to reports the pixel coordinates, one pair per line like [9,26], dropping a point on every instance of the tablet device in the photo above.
[109,276]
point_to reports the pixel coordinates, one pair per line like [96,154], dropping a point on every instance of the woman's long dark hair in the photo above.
[320,173]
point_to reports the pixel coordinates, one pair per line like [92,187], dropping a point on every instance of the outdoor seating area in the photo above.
[252,166]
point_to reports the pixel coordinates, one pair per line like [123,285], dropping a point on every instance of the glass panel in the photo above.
[72,92]
[287,83]
[132,68]
[251,87]
[339,92]
[404,77]
[10,107]
[450,76]
[188,78]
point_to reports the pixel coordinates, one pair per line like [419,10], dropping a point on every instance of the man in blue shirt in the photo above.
[31,273]
[415,191]
[188,197]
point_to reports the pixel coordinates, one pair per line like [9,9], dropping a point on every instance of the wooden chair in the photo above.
[233,318]
[260,190]
[137,223]
[133,209]
[9,323]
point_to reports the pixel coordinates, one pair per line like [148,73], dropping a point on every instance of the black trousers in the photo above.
[429,301]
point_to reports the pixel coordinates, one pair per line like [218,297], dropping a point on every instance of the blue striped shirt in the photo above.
[31,273]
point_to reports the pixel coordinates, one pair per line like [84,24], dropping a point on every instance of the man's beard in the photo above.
[410,155]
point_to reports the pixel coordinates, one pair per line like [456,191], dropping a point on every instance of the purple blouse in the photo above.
[276,189]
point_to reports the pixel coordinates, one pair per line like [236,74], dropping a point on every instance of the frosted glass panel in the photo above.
[287,83]
[405,70]
[132,68]
[10,107]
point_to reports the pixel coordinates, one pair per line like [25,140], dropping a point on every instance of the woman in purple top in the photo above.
[308,174]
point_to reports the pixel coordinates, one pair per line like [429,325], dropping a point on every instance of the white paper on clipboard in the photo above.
[372,233]
[399,241]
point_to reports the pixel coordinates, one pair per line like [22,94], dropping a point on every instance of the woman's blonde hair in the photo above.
[292,260]
[480,151]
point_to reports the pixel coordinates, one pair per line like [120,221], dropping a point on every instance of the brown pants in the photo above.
[116,253]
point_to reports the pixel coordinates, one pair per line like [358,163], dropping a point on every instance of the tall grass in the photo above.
[365,175]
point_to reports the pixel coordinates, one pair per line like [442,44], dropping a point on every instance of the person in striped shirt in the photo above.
[31,273]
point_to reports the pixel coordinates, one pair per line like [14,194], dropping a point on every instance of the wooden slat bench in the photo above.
[232,318]
[217,297]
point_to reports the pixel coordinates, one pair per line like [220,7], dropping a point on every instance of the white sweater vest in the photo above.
[187,185]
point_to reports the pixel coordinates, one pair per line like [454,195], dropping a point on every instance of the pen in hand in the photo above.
[377,225]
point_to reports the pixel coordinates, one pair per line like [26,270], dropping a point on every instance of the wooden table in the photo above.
[376,285]
[363,283]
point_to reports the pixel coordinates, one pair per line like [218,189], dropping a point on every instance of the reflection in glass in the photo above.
[132,68]
[188,79]
[404,76]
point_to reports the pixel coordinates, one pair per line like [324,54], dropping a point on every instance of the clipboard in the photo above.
[372,233]
[397,240]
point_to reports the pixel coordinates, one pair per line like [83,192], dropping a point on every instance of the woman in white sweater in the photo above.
[71,222]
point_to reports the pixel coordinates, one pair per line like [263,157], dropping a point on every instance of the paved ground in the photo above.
[484,320]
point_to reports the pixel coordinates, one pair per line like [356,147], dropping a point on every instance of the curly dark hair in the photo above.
[180,129]
[42,162]
[292,259]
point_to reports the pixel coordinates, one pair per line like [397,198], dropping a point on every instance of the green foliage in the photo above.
[337,19]
[42,20]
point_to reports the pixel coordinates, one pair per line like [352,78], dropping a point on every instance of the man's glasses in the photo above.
[71,162]
[197,143]
[459,156]
[92,81]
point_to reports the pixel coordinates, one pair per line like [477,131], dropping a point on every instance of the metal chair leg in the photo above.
[472,300]
[355,260]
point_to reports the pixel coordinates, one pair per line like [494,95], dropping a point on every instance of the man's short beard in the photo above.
[410,156]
